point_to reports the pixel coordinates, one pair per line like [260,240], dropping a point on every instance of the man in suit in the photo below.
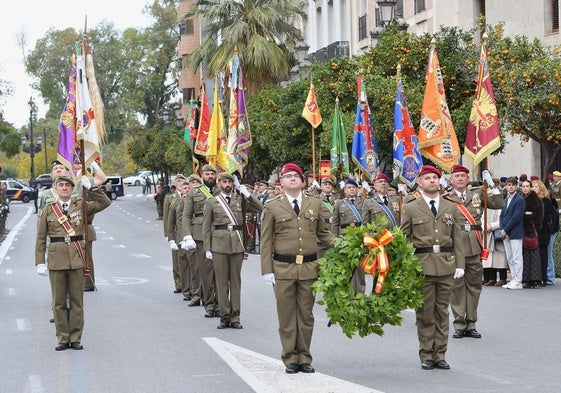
[223,244]
[432,224]
[467,290]
[511,227]
[193,240]
[289,252]
[65,231]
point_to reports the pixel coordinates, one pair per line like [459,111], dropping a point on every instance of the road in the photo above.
[141,337]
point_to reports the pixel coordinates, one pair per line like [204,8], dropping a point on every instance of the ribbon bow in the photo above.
[377,258]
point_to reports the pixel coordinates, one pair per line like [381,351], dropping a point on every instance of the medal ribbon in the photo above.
[377,258]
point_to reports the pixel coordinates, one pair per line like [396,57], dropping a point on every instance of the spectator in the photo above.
[496,262]
[550,226]
[533,218]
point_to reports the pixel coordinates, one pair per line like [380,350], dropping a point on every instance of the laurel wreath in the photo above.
[364,314]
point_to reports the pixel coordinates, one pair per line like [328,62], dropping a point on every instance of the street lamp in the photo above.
[177,115]
[302,63]
[27,142]
[386,11]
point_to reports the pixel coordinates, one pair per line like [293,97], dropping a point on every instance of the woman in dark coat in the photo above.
[550,216]
[533,220]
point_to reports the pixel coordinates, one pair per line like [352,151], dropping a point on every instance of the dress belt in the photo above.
[434,250]
[292,258]
[66,239]
[352,224]
[229,227]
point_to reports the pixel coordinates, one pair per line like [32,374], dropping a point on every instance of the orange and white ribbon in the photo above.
[376,260]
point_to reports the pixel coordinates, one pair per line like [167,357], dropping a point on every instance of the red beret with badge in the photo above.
[426,169]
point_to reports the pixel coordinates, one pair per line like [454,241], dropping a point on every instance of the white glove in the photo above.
[189,243]
[402,188]
[366,186]
[459,273]
[486,175]
[94,166]
[443,182]
[341,184]
[236,182]
[243,190]
[316,184]
[173,245]
[495,191]
[85,182]
[269,277]
[42,269]
[208,255]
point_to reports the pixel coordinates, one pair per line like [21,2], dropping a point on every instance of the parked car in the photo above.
[116,189]
[16,191]
[137,180]
[44,180]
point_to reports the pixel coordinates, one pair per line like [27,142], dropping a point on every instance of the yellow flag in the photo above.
[311,108]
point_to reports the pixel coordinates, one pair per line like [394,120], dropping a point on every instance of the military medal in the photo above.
[311,215]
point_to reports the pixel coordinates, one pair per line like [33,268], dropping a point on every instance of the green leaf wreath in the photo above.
[368,313]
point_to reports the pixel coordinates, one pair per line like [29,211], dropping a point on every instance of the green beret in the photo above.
[224,176]
[65,178]
[192,177]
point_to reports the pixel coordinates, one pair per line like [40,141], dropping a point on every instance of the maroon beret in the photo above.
[550,177]
[459,168]
[523,177]
[382,176]
[290,167]
[429,169]
[534,177]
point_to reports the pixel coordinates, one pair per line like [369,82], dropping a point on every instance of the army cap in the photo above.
[208,168]
[194,177]
[224,176]
[62,178]
[180,176]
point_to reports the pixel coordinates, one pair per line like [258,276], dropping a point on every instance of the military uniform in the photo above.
[326,214]
[175,233]
[168,199]
[556,191]
[193,226]
[225,241]
[372,208]
[467,290]
[66,267]
[292,257]
[438,241]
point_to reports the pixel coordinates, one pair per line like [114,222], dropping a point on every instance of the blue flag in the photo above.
[364,150]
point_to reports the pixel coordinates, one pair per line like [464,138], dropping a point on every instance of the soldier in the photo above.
[381,194]
[224,246]
[328,198]
[193,228]
[432,225]
[173,195]
[502,186]
[289,253]
[62,223]
[556,187]
[346,213]
[175,235]
[467,290]
[195,284]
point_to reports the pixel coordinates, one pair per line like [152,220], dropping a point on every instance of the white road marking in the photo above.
[6,244]
[11,291]
[266,375]
[140,256]
[9,272]
[22,324]
[35,385]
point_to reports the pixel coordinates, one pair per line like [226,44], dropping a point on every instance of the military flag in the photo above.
[407,159]
[311,109]
[190,132]
[364,150]
[239,133]
[68,150]
[217,138]
[437,137]
[339,153]
[201,144]
[483,136]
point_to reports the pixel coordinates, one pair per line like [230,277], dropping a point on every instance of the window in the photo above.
[187,27]
[555,15]
[188,94]
[419,6]
[362,27]
[399,9]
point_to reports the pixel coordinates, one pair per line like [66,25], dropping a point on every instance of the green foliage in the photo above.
[364,314]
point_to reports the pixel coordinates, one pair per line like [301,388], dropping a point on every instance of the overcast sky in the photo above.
[34,18]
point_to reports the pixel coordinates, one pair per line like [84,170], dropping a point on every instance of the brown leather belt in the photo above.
[294,258]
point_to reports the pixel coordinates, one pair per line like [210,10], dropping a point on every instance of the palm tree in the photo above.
[263,32]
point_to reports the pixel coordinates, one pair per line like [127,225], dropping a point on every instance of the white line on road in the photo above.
[266,375]
[6,244]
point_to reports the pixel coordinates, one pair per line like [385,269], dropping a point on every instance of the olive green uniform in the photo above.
[169,198]
[175,232]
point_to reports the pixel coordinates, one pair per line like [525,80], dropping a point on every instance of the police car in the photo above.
[16,191]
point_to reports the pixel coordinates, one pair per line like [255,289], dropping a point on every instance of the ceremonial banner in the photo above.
[364,150]
[217,139]
[407,159]
[483,136]
[68,150]
[311,109]
[339,152]
[239,133]
[190,133]
[325,169]
[437,137]
[201,145]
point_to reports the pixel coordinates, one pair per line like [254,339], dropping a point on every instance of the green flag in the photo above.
[339,152]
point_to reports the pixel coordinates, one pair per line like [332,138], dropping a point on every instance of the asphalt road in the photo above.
[141,337]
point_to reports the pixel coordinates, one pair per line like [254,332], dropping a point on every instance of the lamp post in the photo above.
[385,14]
[28,143]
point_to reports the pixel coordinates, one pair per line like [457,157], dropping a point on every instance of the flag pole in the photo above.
[314,151]
[87,244]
